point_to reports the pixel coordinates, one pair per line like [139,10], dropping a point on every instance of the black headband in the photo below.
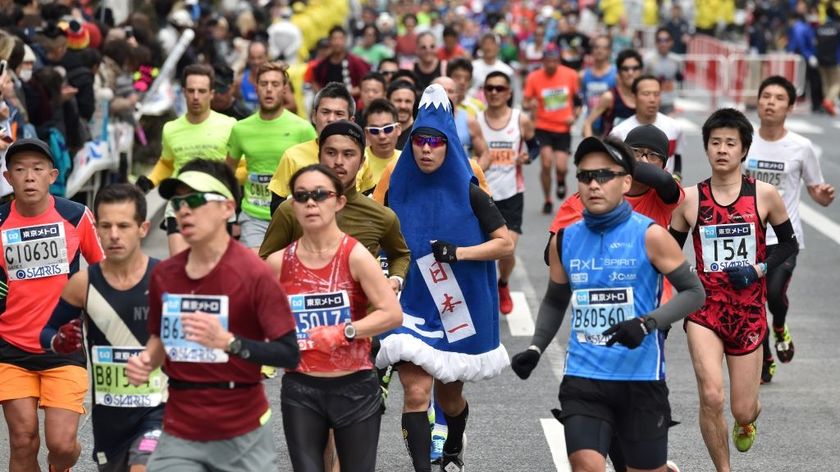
[344,128]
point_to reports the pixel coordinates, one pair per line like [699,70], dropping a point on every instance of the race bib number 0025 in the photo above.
[35,251]
[110,382]
[318,309]
[772,172]
[729,245]
[595,310]
[172,333]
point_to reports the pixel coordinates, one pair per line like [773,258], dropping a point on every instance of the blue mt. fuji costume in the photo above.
[451,312]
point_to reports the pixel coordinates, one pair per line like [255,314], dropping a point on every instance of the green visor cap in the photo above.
[198,181]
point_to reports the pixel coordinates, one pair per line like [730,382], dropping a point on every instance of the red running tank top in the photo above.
[326,296]
[726,236]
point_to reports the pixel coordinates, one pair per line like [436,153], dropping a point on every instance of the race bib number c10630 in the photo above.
[34,252]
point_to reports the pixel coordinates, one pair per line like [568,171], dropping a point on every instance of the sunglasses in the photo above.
[388,72]
[630,68]
[640,153]
[387,129]
[663,40]
[601,176]
[318,195]
[195,200]
[432,141]
[496,88]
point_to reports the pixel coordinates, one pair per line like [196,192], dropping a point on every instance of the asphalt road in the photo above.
[510,426]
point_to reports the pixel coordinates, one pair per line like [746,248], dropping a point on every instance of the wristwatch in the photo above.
[649,325]
[234,345]
[349,331]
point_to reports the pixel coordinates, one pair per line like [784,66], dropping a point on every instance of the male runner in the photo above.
[201,132]
[506,130]
[469,132]
[381,132]
[598,78]
[262,138]
[551,93]
[461,71]
[665,66]
[618,103]
[43,238]
[211,310]
[403,95]
[785,160]
[646,91]
[729,213]
[114,296]
[609,266]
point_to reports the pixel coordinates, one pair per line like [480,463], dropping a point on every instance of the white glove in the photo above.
[812,61]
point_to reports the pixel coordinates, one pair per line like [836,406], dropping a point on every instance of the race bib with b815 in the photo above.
[178,347]
[110,382]
[595,310]
[728,245]
[37,251]
[318,309]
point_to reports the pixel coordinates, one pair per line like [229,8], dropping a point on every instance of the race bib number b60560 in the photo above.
[178,347]
[318,309]
[595,310]
[728,245]
[110,382]
[35,251]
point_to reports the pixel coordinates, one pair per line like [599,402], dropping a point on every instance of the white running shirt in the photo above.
[668,125]
[504,176]
[785,164]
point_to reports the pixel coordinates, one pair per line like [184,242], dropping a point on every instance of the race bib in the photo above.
[771,172]
[729,245]
[110,382]
[318,309]
[595,310]
[258,193]
[35,251]
[555,98]
[172,333]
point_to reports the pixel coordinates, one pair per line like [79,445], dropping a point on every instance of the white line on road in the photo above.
[801,126]
[520,321]
[820,222]
[689,127]
[553,431]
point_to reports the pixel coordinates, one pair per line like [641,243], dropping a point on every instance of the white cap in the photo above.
[28,54]
[181,18]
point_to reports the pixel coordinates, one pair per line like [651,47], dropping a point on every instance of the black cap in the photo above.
[29,145]
[611,147]
[344,128]
[648,136]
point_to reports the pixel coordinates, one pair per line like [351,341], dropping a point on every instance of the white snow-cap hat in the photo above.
[28,54]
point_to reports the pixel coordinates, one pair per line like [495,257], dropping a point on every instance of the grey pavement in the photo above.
[799,428]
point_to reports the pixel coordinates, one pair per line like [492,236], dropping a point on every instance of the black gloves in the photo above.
[742,276]
[630,332]
[524,362]
[144,184]
[444,251]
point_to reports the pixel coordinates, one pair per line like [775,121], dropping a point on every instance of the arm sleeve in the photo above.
[787,246]
[163,169]
[551,313]
[88,240]
[690,297]
[396,249]
[63,313]
[280,232]
[661,181]
[679,236]
[489,217]
[280,352]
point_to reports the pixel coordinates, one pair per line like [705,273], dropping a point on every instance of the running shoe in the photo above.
[784,344]
[268,372]
[561,191]
[505,302]
[385,382]
[438,439]
[828,105]
[768,370]
[743,436]
[672,467]
[548,208]
[454,462]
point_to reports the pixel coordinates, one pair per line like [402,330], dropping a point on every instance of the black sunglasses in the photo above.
[319,195]
[496,88]
[630,68]
[601,176]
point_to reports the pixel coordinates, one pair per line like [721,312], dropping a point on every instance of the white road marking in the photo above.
[553,431]
[684,104]
[820,222]
[520,321]
[837,124]
[689,127]
[801,126]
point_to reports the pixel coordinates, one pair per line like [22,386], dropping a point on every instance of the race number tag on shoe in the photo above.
[318,309]
[728,245]
[35,251]
[258,193]
[595,310]
[110,383]
[178,348]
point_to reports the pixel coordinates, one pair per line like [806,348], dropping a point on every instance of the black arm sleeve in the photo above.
[63,313]
[787,246]
[679,236]
[280,352]
[666,187]
[551,313]
[276,200]
[489,217]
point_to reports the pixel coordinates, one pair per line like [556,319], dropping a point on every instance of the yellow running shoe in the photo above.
[268,372]
[743,436]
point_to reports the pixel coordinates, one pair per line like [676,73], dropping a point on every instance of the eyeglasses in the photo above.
[663,40]
[433,141]
[387,129]
[647,154]
[318,195]
[388,73]
[496,88]
[195,200]
[601,176]
[630,68]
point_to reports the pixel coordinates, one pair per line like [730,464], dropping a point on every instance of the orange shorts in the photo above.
[61,387]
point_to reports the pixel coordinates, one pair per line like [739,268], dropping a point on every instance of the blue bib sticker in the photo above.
[318,309]
[178,348]
[595,310]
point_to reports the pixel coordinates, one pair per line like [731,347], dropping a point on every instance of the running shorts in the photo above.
[741,328]
[511,209]
[60,387]
[557,141]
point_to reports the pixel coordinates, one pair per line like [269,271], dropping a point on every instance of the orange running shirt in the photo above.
[40,253]
[555,97]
